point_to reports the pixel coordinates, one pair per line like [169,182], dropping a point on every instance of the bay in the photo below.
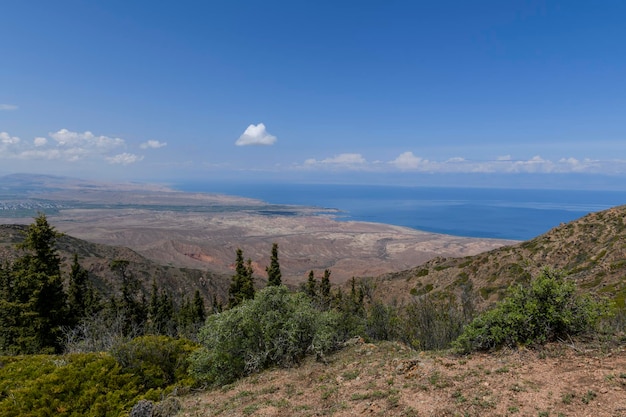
[518,214]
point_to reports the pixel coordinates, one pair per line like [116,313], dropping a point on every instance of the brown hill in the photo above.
[592,250]
[96,259]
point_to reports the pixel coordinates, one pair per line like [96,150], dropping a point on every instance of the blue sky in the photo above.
[413,92]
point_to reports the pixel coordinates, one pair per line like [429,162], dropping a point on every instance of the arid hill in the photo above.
[389,379]
[592,250]
[96,259]
[203,231]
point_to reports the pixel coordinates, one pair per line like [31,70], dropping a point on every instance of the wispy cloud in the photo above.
[409,162]
[152,144]
[124,159]
[341,159]
[8,107]
[256,135]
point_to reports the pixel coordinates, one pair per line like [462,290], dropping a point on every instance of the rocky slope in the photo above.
[592,250]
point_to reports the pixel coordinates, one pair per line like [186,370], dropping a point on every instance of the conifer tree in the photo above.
[311,284]
[132,309]
[34,301]
[273,270]
[198,307]
[325,289]
[77,292]
[242,283]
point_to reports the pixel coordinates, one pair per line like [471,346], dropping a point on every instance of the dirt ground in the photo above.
[388,379]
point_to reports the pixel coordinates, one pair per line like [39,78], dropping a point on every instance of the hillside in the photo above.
[388,379]
[591,249]
[96,258]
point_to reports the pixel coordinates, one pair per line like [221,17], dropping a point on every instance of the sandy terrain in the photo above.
[203,231]
[209,241]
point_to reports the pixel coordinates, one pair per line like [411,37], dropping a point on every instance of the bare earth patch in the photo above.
[388,379]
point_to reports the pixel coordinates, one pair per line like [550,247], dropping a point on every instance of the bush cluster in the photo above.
[92,384]
[275,328]
[545,310]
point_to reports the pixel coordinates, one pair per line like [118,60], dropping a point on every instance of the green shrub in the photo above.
[544,310]
[89,385]
[159,361]
[275,328]
[430,323]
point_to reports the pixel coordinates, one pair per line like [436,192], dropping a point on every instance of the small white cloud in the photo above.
[124,158]
[6,139]
[504,158]
[256,135]
[407,161]
[152,144]
[66,137]
[8,107]
[40,141]
[456,159]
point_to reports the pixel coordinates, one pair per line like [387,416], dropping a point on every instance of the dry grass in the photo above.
[388,379]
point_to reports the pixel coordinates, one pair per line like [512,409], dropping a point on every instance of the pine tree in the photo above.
[273,270]
[36,307]
[198,307]
[132,309]
[242,283]
[311,284]
[77,292]
[325,289]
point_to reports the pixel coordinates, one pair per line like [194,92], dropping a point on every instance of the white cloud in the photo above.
[408,161]
[6,139]
[8,107]
[504,158]
[152,144]
[40,141]
[345,159]
[65,137]
[256,135]
[124,158]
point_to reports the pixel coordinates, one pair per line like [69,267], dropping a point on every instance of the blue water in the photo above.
[518,214]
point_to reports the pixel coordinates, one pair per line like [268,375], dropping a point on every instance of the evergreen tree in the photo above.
[34,301]
[325,290]
[273,270]
[198,307]
[311,284]
[77,292]
[132,309]
[242,283]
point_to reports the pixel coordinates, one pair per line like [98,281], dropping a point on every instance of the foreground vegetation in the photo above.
[112,354]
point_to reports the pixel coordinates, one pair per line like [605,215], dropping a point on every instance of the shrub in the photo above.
[158,360]
[429,323]
[275,328]
[544,310]
[91,384]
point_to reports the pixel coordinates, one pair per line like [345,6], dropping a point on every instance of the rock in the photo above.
[143,408]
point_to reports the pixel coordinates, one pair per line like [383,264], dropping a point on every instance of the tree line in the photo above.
[40,313]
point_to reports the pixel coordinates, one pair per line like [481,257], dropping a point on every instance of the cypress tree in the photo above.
[77,292]
[325,288]
[242,283]
[311,284]
[273,270]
